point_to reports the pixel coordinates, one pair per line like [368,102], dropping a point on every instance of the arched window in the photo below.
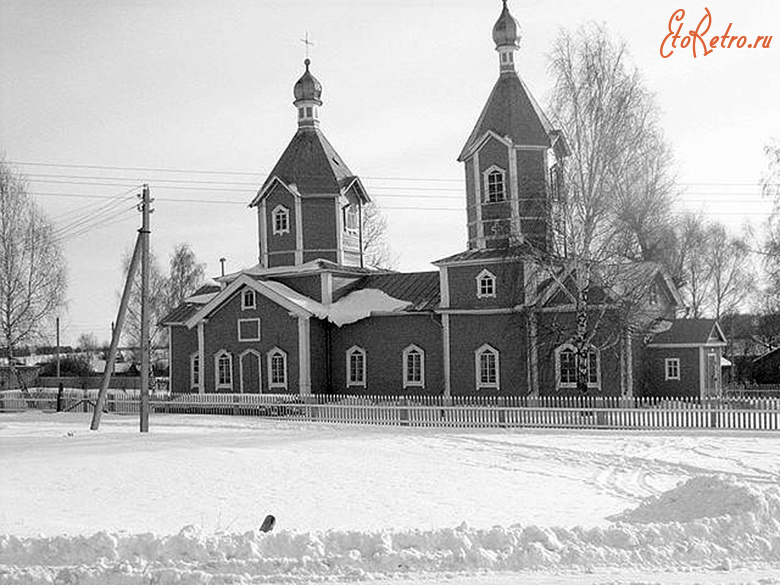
[248,300]
[495,185]
[280,219]
[486,285]
[356,366]
[277,369]
[351,218]
[566,360]
[486,367]
[195,371]
[223,370]
[414,366]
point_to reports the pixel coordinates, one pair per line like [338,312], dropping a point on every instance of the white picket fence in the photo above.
[435,411]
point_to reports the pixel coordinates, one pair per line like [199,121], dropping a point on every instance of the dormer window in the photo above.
[280,218]
[495,185]
[652,295]
[248,300]
[486,285]
[350,219]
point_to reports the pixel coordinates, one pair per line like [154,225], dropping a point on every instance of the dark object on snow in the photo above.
[268,523]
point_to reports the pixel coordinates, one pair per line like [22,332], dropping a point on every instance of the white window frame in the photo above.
[481,351]
[276,385]
[356,350]
[348,214]
[653,295]
[493,170]
[248,293]
[253,319]
[592,349]
[217,356]
[195,370]
[669,365]
[280,211]
[486,276]
[405,363]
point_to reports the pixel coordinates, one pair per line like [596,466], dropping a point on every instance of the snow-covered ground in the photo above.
[182,504]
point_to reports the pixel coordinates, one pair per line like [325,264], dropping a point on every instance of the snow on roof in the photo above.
[360,304]
[353,307]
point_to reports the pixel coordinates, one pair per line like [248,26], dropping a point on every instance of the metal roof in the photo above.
[689,331]
[421,289]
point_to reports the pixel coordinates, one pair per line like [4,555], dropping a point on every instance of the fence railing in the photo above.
[434,411]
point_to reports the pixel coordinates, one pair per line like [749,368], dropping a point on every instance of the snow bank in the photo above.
[720,522]
[360,304]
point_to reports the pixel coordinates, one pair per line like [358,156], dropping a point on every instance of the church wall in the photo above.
[505,333]
[384,340]
[184,342]
[319,227]
[308,285]
[533,194]
[280,242]
[493,152]
[318,347]
[654,383]
[463,285]
[471,212]
[277,329]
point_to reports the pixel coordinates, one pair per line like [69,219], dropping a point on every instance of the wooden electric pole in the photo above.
[140,256]
[145,361]
[58,347]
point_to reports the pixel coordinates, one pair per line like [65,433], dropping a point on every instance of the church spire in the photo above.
[506,35]
[307,92]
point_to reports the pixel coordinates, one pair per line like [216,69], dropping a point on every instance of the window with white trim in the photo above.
[280,220]
[249,329]
[486,367]
[566,360]
[414,366]
[223,370]
[248,300]
[486,285]
[495,185]
[356,366]
[672,368]
[350,218]
[277,369]
[652,294]
[194,370]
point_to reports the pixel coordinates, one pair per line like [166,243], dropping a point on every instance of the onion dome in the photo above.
[307,88]
[506,31]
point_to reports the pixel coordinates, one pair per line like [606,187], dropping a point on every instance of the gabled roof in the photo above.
[180,314]
[312,165]
[511,111]
[690,332]
[419,289]
[277,292]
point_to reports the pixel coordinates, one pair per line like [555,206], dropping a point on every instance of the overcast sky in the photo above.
[207,86]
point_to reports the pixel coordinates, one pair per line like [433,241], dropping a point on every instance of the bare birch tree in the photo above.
[32,268]
[186,274]
[618,180]
[376,249]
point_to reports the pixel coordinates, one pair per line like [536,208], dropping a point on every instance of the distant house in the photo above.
[766,368]
[685,359]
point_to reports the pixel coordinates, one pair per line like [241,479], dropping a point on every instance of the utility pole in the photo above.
[146,211]
[58,347]
[140,256]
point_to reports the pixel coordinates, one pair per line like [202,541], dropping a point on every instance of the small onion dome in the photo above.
[506,31]
[307,87]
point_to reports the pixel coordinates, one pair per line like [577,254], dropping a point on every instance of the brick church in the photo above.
[496,319]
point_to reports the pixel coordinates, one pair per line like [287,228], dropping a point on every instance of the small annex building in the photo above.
[496,319]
